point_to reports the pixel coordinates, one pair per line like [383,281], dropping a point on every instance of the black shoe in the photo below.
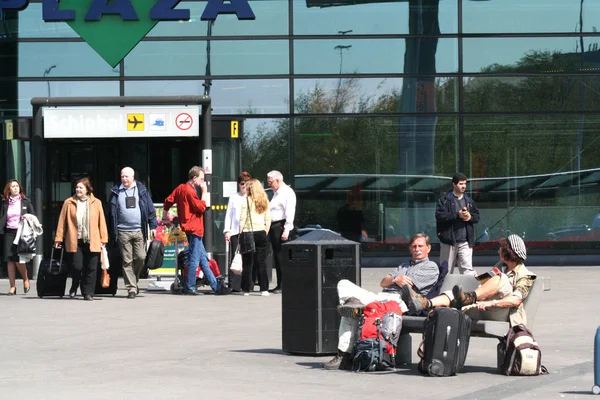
[352,308]
[415,302]
[461,298]
[72,294]
[26,289]
[223,290]
[88,297]
[340,361]
[131,295]
[276,290]
[191,293]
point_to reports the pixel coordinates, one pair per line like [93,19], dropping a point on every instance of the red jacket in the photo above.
[190,209]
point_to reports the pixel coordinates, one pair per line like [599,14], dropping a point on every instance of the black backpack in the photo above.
[155,255]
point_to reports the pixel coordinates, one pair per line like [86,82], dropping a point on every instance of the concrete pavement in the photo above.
[161,346]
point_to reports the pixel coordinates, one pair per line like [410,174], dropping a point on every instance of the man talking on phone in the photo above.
[455,216]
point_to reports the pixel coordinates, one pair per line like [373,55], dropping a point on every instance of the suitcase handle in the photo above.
[62,249]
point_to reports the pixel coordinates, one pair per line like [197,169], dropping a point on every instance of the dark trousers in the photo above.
[84,269]
[235,281]
[258,261]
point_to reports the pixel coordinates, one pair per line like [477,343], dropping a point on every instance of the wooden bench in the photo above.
[479,328]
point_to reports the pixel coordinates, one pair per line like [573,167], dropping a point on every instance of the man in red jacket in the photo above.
[190,211]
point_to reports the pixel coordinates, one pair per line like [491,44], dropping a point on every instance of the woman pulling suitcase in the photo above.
[82,229]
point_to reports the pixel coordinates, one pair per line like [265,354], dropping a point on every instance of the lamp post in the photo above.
[46,73]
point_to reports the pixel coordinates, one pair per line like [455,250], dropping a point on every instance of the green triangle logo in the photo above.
[111,37]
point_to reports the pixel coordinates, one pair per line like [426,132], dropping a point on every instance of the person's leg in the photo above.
[448,254]
[260,239]
[126,240]
[12,276]
[247,266]
[193,261]
[275,237]
[89,272]
[347,289]
[464,259]
[346,338]
[23,271]
[208,274]
[139,254]
[417,303]
[76,268]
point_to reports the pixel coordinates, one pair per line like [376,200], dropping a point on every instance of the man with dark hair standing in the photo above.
[283,210]
[455,216]
[131,213]
[190,211]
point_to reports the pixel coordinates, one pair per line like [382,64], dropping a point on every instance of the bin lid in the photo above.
[321,236]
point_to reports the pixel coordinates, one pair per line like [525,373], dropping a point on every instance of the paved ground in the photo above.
[161,346]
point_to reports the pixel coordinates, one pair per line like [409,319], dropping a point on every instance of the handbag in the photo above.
[237,264]
[105,278]
[246,239]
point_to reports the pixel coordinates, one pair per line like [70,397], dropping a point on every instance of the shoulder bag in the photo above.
[246,239]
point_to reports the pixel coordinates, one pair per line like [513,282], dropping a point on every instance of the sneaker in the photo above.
[340,361]
[461,298]
[246,293]
[276,290]
[415,302]
[223,290]
[131,295]
[352,308]
[265,293]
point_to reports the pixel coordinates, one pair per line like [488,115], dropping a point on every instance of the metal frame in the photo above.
[39,156]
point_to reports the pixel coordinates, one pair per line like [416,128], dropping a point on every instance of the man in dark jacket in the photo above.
[131,213]
[455,216]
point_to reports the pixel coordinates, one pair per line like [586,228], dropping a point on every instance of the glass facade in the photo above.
[373,104]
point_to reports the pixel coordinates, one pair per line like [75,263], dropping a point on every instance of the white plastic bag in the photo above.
[104,259]
[236,264]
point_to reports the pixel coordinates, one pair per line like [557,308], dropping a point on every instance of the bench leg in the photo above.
[500,354]
[404,350]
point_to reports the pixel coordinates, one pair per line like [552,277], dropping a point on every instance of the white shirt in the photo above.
[232,217]
[283,206]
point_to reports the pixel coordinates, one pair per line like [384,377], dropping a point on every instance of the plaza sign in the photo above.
[114,29]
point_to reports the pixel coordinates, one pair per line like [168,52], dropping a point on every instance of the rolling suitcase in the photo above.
[52,277]
[596,388]
[445,342]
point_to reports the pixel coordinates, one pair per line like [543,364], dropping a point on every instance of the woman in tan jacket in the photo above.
[82,229]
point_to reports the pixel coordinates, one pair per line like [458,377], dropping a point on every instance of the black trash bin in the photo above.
[312,266]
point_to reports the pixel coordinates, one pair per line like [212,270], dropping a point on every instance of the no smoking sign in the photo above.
[184,121]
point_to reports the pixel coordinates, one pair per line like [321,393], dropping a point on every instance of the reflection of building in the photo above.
[429,88]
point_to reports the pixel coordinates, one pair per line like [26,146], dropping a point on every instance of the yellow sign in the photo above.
[234,129]
[135,122]
[9,129]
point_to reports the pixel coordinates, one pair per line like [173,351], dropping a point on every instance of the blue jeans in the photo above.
[198,256]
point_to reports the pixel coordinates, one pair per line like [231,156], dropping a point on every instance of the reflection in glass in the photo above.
[437,56]
[265,147]
[532,93]
[537,55]
[249,96]
[32,25]
[27,90]
[529,16]
[327,17]
[248,57]
[70,59]
[367,95]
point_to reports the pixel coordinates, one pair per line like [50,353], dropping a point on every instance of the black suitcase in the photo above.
[52,277]
[446,342]
[155,255]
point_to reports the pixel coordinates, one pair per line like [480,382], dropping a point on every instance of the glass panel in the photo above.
[354,56]
[190,58]
[518,16]
[376,95]
[271,19]
[539,55]
[552,199]
[61,59]
[27,90]
[248,96]
[532,93]
[32,25]
[368,165]
[315,17]
[265,147]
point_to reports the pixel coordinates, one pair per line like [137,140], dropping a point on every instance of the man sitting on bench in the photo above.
[499,298]
[420,274]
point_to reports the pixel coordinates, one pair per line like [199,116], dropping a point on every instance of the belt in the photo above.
[282,221]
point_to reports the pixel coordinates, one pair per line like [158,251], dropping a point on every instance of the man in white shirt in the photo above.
[283,209]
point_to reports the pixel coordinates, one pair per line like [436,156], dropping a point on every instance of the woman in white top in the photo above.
[232,222]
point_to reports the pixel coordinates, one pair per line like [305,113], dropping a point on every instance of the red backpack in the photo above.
[377,337]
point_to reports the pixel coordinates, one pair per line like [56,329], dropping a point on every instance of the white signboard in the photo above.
[121,122]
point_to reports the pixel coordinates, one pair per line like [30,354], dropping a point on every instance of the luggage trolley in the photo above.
[596,388]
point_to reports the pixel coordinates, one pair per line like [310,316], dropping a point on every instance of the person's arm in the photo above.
[102,225]
[228,223]
[168,203]
[290,213]
[197,206]
[267,220]
[520,292]
[30,209]
[59,237]
[151,211]
[398,280]
[243,215]
[474,211]
[443,211]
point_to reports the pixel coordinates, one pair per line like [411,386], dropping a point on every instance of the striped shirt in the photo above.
[423,274]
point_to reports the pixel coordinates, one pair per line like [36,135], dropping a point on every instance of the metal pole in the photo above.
[207,142]
[37,177]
